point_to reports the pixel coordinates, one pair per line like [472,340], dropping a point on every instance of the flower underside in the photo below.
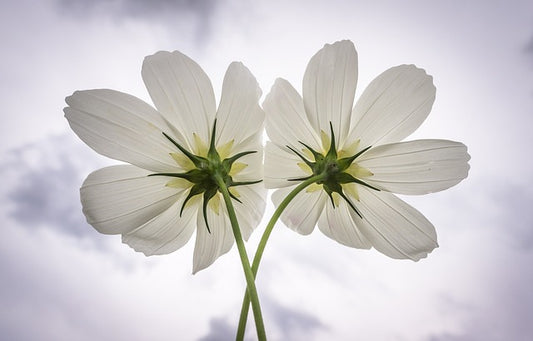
[332,170]
[206,173]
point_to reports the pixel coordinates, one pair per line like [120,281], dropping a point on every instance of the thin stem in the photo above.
[261,248]
[250,283]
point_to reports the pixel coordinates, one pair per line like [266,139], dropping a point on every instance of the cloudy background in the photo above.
[61,280]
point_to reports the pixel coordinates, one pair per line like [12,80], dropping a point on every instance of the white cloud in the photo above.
[57,288]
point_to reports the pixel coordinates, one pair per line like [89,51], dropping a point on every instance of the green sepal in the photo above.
[332,152]
[208,194]
[304,159]
[194,176]
[335,187]
[198,161]
[195,190]
[228,162]
[318,157]
[301,179]
[174,175]
[341,193]
[344,178]
[242,183]
[345,162]
[212,153]
[234,197]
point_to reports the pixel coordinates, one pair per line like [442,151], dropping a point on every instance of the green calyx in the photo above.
[332,170]
[207,172]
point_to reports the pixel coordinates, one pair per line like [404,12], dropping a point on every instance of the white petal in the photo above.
[239,115]
[393,227]
[286,121]
[165,233]
[182,92]
[250,212]
[118,199]
[392,106]
[121,127]
[280,166]
[337,224]
[329,88]
[416,167]
[303,211]
[210,246]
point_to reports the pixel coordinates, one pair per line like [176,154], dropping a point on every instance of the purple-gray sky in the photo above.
[62,280]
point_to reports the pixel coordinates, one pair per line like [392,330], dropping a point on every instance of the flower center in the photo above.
[206,171]
[334,172]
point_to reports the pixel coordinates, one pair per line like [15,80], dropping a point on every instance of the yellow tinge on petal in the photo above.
[214,203]
[195,200]
[225,149]
[351,190]
[336,198]
[307,153]
[349,150]
[358,172]
[237,167]
[201,147]
[234,191]
[183,161]
[313,188]
[326,141]
[303,166]
[178,183]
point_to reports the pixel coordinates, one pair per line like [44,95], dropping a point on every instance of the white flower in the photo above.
[166,193]
[364,161]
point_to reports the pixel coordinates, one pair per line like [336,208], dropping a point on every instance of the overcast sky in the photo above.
[61,280]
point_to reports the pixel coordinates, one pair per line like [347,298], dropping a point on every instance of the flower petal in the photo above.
[118,199]
[182,92]
[303,211]
[239,115]
[337,224]
[392,106]
[210,246]
[250,211]
[120,126]
[393,227]
[329,88]
[286,121]
[280,166]
[165,233]
[416,167]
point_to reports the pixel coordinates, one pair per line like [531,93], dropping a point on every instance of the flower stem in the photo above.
[250,283]
[261,247]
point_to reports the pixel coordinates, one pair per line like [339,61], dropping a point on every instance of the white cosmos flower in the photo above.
[365,161]
[158,214]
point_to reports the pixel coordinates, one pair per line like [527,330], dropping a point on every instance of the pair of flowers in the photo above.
[158,214]
[335,164]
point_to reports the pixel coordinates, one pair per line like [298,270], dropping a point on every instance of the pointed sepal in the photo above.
[197,160]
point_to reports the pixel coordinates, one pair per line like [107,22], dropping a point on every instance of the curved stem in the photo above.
[261,248]
[250,283]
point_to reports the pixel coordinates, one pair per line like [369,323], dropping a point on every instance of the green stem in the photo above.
[261,248]
[250,283]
